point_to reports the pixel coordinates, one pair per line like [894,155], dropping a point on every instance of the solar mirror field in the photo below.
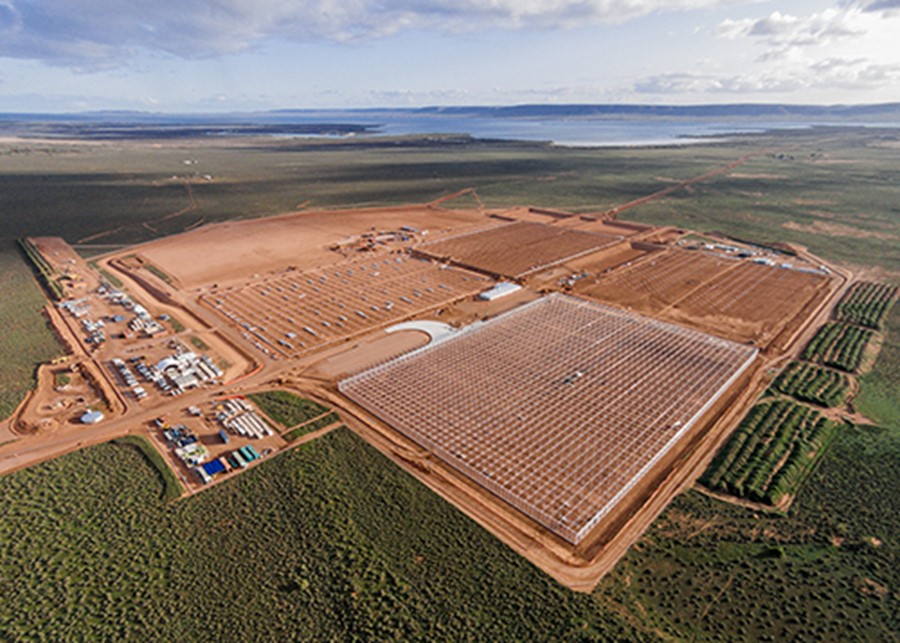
[567,428]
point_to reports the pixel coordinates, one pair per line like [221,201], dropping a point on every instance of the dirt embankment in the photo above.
[65,389]
[63,332]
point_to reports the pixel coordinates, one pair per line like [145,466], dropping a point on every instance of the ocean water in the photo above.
[574,132]
[570,132]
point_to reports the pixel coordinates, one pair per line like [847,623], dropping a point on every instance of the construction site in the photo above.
[558,377]
[516,249]
[564,430]
[294,312]
[749,298]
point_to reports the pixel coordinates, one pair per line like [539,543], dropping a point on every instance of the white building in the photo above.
[502,289]
[91,417]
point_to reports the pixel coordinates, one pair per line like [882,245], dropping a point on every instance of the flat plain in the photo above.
[746,301]
[294,312]
[385,556]
[517,249]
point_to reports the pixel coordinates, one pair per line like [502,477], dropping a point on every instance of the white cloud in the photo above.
[674,83]
[828,74]
[784,30]
[105,33]
[847,48]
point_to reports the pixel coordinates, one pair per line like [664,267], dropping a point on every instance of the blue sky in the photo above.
[235,55]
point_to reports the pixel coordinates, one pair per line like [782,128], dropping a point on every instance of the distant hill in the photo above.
[890,111]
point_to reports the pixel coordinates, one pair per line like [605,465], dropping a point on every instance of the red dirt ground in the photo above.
[734,298]
[516,249]
[236,250]
[294,312]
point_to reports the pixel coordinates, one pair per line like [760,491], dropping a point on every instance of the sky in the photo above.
[243,55]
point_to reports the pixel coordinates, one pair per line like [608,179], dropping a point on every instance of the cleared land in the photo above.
[660,280]
[298,311]
[736,298]
[755,293]
[234,250]
[517,249]
[287,314]
[564,430]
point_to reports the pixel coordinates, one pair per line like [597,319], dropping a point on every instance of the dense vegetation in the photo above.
[332,541]
[826,571]
[286,408]
[866,303]
[172,488]
[879,396]
[771,452]
[315,425]
[838,345]
[814,384]
[26,340]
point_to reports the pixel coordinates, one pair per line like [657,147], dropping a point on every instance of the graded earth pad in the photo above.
[516,249]
[754,293]
[294,312]
[238,249]
[565,428]
[658,281]
[734,297]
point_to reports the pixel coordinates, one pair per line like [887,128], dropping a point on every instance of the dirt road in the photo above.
[614,212]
